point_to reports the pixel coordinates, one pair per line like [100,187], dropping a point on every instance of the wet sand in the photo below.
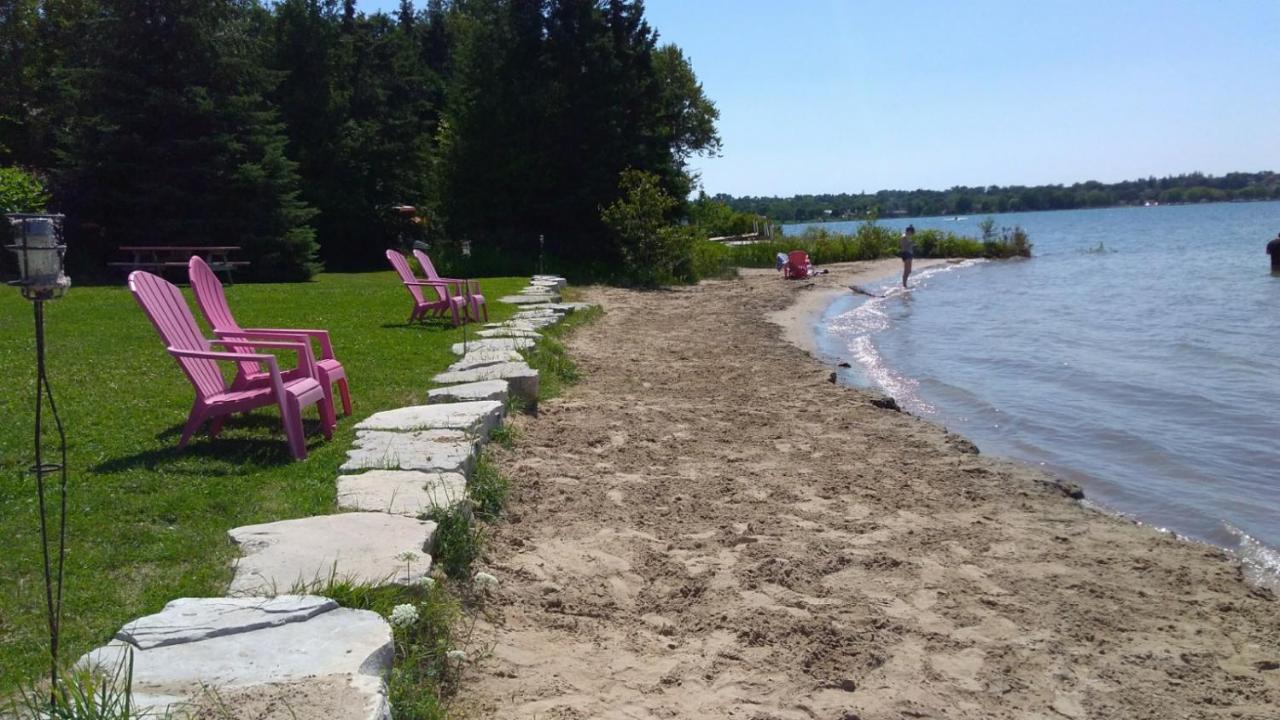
[706,527]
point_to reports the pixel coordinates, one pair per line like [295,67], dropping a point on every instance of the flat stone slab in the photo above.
[425,450]
[400,492]
[508,332]
[363,547]
[522,380]
[511,324]
[270,659]
[483,390]
[487,357]
[193,619]
[492,344]
[525,299]
[476,418]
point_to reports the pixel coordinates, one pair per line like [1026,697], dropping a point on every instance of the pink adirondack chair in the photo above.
[469,289]
[165,307]
[213,303]
[422,306]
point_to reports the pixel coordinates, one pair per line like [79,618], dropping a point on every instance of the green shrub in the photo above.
[651,248]
[21,192]
[488,489]
[456,543]
[711,260]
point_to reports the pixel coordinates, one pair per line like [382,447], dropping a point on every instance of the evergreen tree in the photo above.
[174,141]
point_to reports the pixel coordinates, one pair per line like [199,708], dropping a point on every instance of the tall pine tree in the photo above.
[174,142]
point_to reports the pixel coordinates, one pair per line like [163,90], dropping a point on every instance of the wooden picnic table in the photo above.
[170,257]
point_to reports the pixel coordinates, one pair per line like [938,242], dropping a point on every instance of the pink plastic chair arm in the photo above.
[277,380]
[295,334]
[306,362]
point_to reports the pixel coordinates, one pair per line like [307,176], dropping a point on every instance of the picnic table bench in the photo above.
[169,257]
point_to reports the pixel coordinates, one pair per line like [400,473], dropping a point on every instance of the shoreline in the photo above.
[813,296]
[706,526]
[799,326]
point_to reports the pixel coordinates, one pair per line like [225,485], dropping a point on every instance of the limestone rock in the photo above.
[522,380]
[508,333]
[475,418]
[425,450]
[192,619]
[483,390]
[363,547]
[525,299]
[271,659]
[400,492]
[488,357]
[492,344]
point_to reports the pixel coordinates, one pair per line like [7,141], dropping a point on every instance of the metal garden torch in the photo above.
[41,252]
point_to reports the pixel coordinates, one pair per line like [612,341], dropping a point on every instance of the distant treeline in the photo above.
[959,200]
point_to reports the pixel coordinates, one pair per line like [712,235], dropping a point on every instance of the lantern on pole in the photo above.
[41,252]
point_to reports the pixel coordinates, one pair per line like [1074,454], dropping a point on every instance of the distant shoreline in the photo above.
[826,221]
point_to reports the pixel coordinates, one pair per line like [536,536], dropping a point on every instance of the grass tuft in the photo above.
[457,542]
[488,489]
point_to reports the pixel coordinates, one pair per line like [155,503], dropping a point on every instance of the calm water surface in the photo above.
[1148,372]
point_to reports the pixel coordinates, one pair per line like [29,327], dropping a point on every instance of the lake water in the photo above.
[1148,371]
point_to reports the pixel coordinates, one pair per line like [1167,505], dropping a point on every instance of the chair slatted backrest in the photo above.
[401,265]
[212,300]
[798,259]
[210,296]
[429,269]
[164,305]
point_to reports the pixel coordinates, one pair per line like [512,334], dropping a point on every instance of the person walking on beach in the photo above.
[1273,249]
[908,251]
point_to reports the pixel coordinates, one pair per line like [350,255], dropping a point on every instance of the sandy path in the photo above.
[705,527]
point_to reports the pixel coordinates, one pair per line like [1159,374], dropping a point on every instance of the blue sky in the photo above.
[839,96]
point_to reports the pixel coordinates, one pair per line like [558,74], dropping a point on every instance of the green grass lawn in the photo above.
[147,523]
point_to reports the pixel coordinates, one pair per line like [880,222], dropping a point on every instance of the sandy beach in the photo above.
[706,527]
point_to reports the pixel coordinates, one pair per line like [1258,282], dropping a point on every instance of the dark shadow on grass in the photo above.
[433,326]
[231,453]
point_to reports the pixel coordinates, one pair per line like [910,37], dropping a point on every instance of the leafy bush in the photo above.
[21,192]
[456,543]
[651,248]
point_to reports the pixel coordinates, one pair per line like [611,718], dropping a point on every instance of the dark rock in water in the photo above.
[1070,489]
[962,444]
[831,378]
[885,402]
[844,365]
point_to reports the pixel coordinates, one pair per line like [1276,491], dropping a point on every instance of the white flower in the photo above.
[456,656]
[403,616]
[428,582]
[485,581]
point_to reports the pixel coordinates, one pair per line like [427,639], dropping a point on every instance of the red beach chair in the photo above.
[798,266]
[213,303]
[165,307]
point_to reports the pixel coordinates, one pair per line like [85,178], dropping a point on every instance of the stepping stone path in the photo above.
[302,656]
[492,344]
[282,657]
[373,548]
[400,492]
[483,390]
[476,418]
[522,380]
[425,450]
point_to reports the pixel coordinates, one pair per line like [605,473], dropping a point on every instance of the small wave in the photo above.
[1261,563]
